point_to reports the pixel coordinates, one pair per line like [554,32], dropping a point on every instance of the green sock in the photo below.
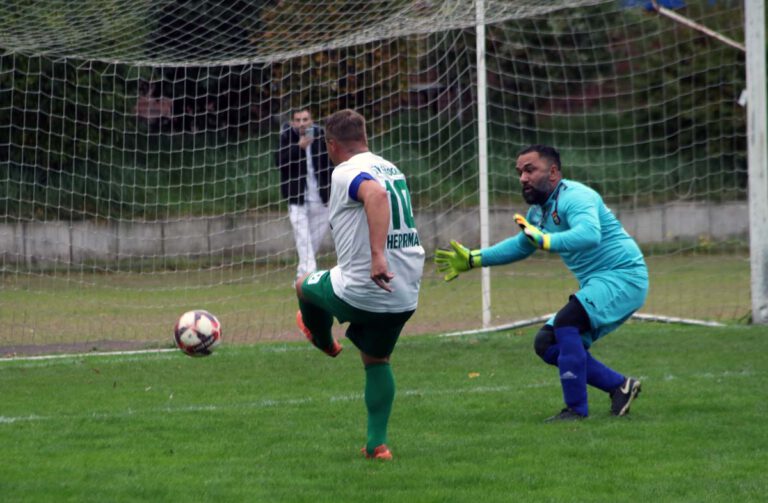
[379,395]
[319,322]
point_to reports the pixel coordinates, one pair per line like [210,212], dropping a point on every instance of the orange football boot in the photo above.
[381,452]
[332,351]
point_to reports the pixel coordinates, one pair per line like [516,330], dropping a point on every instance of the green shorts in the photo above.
[374,334]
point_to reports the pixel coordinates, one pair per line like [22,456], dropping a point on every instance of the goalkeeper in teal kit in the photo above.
[570,219]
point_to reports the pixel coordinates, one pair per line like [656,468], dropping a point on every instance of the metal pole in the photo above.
[482,154]
[696,26]
[757,156]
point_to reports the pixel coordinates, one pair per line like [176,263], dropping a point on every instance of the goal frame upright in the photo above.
[757,156]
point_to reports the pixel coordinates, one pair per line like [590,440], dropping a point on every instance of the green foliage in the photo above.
[370,78]
[64,109]
[89,29]
[589,66]
[545,65]
[204,30]
[437,153]
[642,109]
[699,72]
[194,36]
[151,177]
[64,122]
[282,422]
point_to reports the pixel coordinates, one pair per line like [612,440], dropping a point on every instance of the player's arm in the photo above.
[584,230]
[376,205]
[510,250]
[582,236]
[459,258]
[583,233]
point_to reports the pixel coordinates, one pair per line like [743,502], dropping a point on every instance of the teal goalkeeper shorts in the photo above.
[374,334]
[609,299]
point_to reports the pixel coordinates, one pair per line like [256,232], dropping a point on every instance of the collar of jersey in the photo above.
[554,195]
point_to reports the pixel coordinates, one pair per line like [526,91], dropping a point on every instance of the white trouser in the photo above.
[310,223]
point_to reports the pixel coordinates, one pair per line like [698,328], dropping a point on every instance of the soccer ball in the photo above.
[197,333]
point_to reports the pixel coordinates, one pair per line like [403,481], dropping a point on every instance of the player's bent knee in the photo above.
[298,284]
[543,341]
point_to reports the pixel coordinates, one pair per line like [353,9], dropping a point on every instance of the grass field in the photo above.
[257,304]
[282,422]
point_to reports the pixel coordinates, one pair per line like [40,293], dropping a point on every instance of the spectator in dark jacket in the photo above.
[305,181]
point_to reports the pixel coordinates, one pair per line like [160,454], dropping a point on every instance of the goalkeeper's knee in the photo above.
[545,345]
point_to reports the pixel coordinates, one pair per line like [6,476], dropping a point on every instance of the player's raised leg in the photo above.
[314,321]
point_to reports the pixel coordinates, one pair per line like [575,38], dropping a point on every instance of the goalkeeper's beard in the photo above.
[535,196]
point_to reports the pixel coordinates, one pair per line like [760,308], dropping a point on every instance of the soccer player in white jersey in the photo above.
[375,285]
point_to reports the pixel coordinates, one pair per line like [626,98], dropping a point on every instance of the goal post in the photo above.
[757,133]
[482,156]
[138,139]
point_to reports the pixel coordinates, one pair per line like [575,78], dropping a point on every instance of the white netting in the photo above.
[200,32]
[137,141]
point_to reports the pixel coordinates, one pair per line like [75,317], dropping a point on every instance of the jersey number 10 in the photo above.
[399,197]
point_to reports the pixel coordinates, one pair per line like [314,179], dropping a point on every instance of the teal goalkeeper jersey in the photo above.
[583,231]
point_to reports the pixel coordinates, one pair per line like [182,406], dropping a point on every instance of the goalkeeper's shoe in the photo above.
[567,414]
[381,452]
[331,351]
[622,397]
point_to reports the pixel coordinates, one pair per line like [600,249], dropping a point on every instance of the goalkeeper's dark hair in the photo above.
[346,125]
[545,151]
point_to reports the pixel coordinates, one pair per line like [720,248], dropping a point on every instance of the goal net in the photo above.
[138,141]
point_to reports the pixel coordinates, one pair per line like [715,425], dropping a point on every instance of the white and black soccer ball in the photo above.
[197,333]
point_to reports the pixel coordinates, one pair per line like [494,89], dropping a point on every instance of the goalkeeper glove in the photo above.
[535,236]
[460,259]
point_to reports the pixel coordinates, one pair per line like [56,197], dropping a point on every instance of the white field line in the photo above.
[140,352]
[138,355]
[21,419]
[272,403]
[128,356]
[55,358]
[82,355]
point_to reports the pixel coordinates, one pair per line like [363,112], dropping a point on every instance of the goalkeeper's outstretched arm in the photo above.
[458,258]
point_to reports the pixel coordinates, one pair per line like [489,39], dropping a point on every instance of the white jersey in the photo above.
[351,278]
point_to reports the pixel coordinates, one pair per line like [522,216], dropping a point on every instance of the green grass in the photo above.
[256,303]
[282,422]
